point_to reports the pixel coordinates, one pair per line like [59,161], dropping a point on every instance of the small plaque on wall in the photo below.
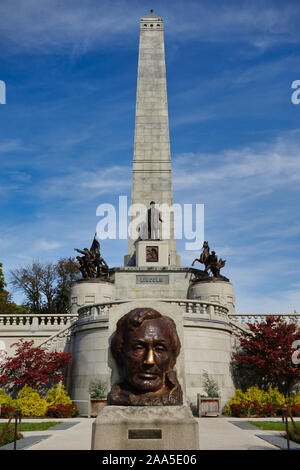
[151,254]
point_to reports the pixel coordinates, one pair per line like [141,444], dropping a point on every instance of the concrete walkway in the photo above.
[222,434]
[76,437]
[215,434]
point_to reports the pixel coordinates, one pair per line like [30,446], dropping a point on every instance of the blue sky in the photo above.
[67,129]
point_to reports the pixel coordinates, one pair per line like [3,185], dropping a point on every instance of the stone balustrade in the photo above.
[30,321]
[62,325]
[59,340]
[244,318]
[202,308]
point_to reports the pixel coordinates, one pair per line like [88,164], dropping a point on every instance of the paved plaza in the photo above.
[223,433]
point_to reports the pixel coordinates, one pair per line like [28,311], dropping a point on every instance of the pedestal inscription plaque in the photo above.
[147,279]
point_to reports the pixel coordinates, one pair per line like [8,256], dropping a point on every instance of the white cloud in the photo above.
[12,145]
[251,171]
[76,183]
[45,245]
[78,26]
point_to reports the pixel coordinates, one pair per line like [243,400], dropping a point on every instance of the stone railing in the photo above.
[244,318]
[60,340]
[202,308]
[39,322]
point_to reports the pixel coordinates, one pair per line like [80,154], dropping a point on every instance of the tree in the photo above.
[67,273]
[32,366]
[28,280]
[46,285]
[7,306]
[2,281]
[266,352]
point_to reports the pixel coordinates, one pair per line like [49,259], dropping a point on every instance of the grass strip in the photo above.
[43,426]
[272,425]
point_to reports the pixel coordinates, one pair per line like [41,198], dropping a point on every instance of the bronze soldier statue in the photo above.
[210,261]
[91,264]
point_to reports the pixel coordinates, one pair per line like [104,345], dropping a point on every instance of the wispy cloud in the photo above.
[256,169]
[45,245]
[76,184]
[81,26]
[7,146]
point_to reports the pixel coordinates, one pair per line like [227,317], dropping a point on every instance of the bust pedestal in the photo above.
[145,428]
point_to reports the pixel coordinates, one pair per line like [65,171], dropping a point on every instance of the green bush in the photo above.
[255,402]
[98,389]
[294,436]
[58,395]
[30,403]
[9,437]
[210,386]
[5,399]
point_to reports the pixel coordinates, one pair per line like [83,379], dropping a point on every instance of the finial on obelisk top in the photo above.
[151,15]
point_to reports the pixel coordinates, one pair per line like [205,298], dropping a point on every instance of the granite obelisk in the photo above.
[152,174]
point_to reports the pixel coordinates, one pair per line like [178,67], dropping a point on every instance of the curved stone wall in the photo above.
[205,337]
[220,292]
[91,291]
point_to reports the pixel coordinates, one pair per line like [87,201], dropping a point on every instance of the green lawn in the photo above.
[272,425]
[43,426]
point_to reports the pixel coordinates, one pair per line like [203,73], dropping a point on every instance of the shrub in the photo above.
[30,403]
[294,436]
[58,395]
[295,410]
[210,386]
[62,411]
[32,366]
[255,402]
[9,436]
[98,388]
[6,411]
[236,409]
[265,355]
[5,399]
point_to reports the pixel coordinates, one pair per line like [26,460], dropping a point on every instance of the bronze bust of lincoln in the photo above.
[145,347]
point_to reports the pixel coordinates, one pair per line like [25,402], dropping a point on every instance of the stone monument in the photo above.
[145,347]
[198,300]
[151,173]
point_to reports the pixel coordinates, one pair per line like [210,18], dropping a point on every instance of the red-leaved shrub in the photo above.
[62,411]
[7,411]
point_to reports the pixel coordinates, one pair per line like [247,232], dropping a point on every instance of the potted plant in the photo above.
[209,404]
[97,396]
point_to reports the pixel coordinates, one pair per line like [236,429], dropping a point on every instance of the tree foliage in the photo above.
[266,353]
[33,366]
[2,281]
[46,285]
[7,306]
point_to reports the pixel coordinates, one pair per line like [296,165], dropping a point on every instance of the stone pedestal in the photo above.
[214,290]
[145,428]
[152,253]
[91,291]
